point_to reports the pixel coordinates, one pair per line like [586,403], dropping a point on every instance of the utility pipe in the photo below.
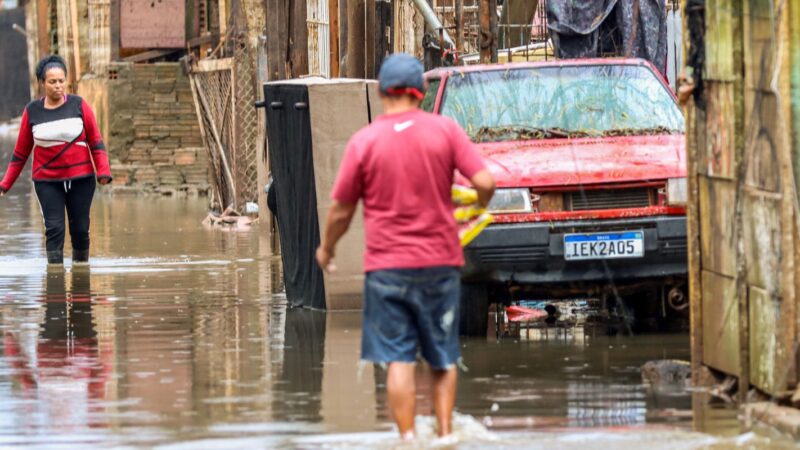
[430,16]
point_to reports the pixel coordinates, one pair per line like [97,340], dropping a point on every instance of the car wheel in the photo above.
[474,309]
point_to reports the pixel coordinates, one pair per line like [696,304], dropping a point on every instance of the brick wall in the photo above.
[150,125]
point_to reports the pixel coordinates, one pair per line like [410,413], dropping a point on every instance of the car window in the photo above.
[430,95]
[566,101]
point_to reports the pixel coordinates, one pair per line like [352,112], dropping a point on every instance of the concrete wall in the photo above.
[150,125]
[14,87]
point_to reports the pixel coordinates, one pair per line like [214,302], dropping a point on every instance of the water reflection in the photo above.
[65,372]
[300,369]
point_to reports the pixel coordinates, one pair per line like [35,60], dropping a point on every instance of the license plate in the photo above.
[623,244]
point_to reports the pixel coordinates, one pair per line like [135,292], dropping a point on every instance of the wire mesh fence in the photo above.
[212,89]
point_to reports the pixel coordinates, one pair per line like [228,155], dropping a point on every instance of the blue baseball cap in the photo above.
[402,74]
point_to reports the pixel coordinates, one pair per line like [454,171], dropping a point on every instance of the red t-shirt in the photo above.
[402,167]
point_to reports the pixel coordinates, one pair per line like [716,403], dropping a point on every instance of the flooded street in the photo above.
[173,338]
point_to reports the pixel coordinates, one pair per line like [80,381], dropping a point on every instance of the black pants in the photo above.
[74,197]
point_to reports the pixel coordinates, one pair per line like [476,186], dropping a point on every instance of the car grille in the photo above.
[674,247]
[608,199]
[516,255]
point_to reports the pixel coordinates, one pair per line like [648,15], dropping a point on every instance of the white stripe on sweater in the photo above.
[57,132]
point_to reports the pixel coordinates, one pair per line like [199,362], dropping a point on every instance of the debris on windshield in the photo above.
[518,132]
[641,131]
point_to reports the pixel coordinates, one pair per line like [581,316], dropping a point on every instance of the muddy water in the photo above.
[177,336]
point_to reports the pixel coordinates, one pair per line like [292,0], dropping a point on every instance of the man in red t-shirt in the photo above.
[402,167]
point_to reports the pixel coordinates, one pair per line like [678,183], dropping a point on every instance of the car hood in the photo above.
[565,162]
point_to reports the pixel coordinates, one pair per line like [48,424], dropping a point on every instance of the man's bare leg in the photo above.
[444,398]
[402,396]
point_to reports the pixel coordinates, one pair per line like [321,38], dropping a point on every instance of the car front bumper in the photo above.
[532,253]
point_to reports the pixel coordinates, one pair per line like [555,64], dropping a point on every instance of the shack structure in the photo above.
[743,159]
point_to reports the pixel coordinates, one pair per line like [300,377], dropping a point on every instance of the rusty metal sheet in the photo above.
[721,323]
[153,23]
[716,225]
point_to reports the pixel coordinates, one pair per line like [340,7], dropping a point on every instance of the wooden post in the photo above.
[298,40]
[76,41]
[370,31]
[333,14]
[487,39]
[223,18]
[459,20]
[383,32]
[32,21]
[115,29]
[355,38]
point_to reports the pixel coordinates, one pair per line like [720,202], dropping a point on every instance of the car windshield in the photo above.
[561,102]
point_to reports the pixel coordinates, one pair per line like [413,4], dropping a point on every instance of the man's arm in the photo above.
[483,182]
[336,225]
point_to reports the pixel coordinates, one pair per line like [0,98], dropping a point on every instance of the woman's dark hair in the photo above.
[50,62]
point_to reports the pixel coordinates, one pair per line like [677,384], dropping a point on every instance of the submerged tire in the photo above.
[474,310]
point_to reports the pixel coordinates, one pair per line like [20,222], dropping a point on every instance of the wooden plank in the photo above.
[148,56]
[770,359]
[115,29]
[276,43]
[212,65]
[721,340]
[356,57]
[369,40]
[719,40]
[298,41]
[333,14]
[717,198]
[762,240]
[693,242]
[223,17]
[717,159]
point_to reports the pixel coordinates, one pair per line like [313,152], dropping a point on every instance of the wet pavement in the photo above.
[177,336]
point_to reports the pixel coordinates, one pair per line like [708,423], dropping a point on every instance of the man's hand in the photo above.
[104,180]
[2,192]
[325,259]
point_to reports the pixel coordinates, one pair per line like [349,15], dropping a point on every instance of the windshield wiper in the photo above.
[651,131]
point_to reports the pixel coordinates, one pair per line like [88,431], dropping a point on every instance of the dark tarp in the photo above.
[592,28]
[289,135]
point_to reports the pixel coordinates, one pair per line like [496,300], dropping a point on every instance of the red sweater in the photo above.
[65,141]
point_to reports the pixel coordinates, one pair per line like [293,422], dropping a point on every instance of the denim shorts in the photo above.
[411,311]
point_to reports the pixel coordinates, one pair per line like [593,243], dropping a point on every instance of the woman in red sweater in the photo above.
[68,154]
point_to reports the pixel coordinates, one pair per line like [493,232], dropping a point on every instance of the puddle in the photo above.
[173,338]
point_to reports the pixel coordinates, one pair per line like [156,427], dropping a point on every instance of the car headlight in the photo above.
[506,201]
[677,192]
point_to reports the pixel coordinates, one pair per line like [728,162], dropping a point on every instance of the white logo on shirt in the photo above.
[402,126]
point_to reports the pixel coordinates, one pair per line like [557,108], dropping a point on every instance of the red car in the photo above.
[589,158]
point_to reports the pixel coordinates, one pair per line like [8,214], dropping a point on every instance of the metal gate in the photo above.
[224,94]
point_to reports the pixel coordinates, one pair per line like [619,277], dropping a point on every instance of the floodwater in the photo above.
[177,336]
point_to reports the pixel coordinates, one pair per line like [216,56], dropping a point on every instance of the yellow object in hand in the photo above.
[466,213]
[463,195]
[470,231]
